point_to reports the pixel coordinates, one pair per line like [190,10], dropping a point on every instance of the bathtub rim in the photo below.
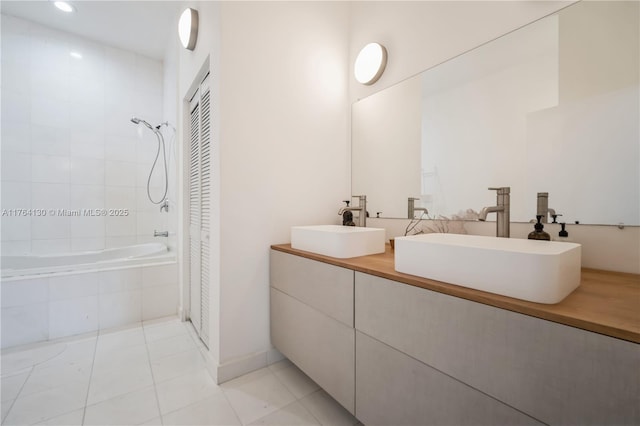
[166,259]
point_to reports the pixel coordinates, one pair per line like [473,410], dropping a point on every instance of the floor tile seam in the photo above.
[297,401]
[272,411]
[121,396]
[153,377]
[296,398]
[17,396]
[309,410]
[167,356]
[173,336]
[287,387]
[235,412]
[86,399]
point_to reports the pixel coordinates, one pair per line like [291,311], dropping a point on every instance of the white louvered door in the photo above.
[200,209]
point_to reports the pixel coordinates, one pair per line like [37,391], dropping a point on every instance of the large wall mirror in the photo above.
[552,107]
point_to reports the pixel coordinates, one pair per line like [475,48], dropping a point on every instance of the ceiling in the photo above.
[143,27]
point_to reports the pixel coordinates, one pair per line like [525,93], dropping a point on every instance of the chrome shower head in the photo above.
[137,120]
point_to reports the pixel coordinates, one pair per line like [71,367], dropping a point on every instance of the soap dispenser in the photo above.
[563,235]
[539,233]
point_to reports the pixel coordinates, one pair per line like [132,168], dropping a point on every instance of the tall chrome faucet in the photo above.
[361,209]
[502,209]
[412,209]
[543,208]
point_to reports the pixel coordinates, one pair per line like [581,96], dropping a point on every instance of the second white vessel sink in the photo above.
[536,271]
[338,241]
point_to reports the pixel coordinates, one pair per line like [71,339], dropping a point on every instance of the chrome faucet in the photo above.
[502,209]
[361,209]
[412,209]
[544,210]
[160,233]
[165,205]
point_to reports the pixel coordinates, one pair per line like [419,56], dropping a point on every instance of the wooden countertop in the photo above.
[606,302]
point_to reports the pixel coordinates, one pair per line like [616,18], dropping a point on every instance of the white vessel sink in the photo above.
[338,241]
[537,271]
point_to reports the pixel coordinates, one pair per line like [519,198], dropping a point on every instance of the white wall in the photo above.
[67,142]
[284,144]
[281,141]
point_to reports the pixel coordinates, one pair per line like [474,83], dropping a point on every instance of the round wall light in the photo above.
[370,63]
[64,6]
[188,28]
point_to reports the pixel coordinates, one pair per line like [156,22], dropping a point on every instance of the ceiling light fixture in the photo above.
[75,54]
[188,28]
[370,63]
[64,6]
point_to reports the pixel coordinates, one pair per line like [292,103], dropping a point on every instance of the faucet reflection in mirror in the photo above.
[502,209]
[361,209]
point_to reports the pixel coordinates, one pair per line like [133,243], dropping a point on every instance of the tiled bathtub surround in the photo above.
[39,309]
[67,142]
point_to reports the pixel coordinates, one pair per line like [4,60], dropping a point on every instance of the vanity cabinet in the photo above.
[544,370]
[312,321]
[394,353]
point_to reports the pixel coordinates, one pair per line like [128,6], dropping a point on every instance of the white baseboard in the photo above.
[241,366]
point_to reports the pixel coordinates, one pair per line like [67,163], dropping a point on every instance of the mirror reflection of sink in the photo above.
[536,271]
[338,241]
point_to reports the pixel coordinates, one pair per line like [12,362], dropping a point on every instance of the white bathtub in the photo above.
[18,266]
[55,296]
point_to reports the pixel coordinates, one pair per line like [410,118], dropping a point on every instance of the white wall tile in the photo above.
[162,275]
[120,280]
[47,140]
[16,228]
[15,77]
[58,245]
[88,116]
[16,248]
[16,167]
[120,173]
[157,178]
[86,196]
[50,169]
[49,112]
[50,196]
[120,148]
[25,292]
[16,137]
[121,308]
[16,107]
[88,171]
[159,302]
[87,227]
[50,227]
[56,114]
[24,324]
[87,244]
[121,197]
[73,286]
[121,226]
[148,222]
[73,316]
[147,148]
[15,40]
[16,195]
[85,143]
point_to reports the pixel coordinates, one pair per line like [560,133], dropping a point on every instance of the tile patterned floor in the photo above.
[151,374]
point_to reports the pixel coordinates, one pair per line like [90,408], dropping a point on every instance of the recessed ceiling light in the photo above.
[75,54]
[63,6]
